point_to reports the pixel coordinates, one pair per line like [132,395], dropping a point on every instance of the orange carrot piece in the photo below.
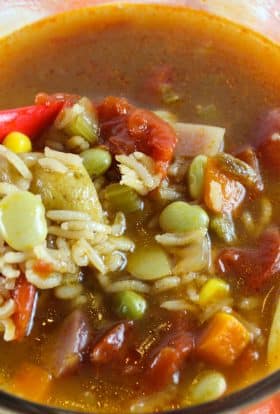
[24,296]
[221,193]
[223,340]
[31,382]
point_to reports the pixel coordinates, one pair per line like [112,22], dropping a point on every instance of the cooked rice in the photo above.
[128,284]
[68,292]
[53,165]
[166,283]
[181,239]
[16,162]
[9,329]
[138,171]
[7,309]
[66,215]
[6,188]
[68,159]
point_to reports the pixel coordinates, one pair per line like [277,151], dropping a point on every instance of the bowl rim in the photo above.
[237,400]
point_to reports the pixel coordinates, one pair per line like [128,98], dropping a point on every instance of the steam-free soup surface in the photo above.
[199,70]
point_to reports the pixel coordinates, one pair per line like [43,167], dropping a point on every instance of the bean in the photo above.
[22,220]
[149,263]
[182,217]
[207,386]
[196,176]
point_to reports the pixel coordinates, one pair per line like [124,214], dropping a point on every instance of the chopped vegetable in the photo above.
[18,142]
[29,120]
[96,161]
[25,297]
[223,340]
[169,359]
[71,191]
[207,386]
[127,129]
[71,341]
[257,266]
[196,140]
[223,226]
[112,345]
[237,169]
[27,229]
[130,305]
[221,193]
[149,263]
[31,382]
[120,197]
[180,216]
[273,354]
[213,290]
[79,119]
[196,175]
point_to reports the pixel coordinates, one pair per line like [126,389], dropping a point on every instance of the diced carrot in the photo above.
[25,296]
[221,193]
[42,267]
[223,340]
[31,382]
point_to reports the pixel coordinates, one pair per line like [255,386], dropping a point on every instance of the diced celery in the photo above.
[224,228]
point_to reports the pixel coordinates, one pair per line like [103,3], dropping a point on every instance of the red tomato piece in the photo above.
[112,345]
[25,297]
[168,360]
[221,193]
[256,266]
[126,129]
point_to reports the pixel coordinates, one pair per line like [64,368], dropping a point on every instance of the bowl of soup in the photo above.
[139,212]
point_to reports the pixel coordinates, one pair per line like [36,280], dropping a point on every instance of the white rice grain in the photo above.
[16,161]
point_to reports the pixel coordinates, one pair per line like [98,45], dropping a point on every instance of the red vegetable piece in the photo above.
[112,345]
[126,129]
[256,266]
[30,120]
[167,361]
[71,341]
[25,297]
[269,140]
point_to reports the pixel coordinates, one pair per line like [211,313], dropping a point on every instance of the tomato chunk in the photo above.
[112,345]
[221,193]
[257,266]
[168,359]
[126,129]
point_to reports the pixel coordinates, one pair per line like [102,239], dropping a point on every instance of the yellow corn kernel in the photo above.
[214,289]
[17,142]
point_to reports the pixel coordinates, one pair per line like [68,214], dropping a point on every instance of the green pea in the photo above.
[180,217]
[196,176]
[96,161]
[149,263]
[207,386]
[130,305]
[22,220]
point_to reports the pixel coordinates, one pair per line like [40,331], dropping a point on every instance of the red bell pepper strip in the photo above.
[25,297]
[30,120]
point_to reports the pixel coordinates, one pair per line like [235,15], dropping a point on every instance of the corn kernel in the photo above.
[214,289]
[17,142]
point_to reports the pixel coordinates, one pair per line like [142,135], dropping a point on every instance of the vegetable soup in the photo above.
[139,209]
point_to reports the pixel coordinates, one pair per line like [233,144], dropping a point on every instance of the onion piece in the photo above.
[194,139]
